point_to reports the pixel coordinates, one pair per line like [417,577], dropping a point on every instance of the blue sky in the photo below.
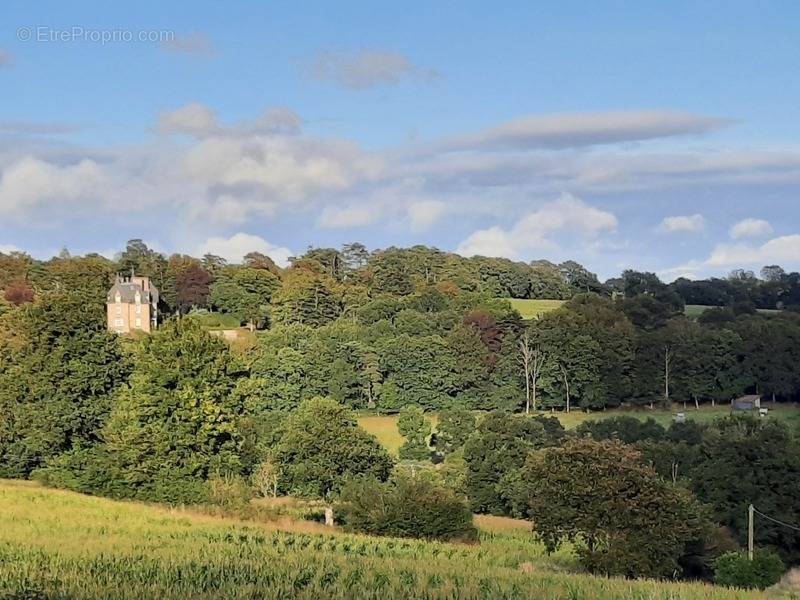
[661,136]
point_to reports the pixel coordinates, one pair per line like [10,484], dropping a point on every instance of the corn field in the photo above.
[60,545]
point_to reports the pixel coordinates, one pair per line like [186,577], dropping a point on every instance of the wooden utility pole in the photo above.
[750,515]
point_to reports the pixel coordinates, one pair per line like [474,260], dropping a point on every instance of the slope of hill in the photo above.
[56,544]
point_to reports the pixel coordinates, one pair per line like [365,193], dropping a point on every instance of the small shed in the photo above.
[746,403]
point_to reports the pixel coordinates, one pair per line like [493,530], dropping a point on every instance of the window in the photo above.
[118,322]
[138,323]
[119,310]
[138,309]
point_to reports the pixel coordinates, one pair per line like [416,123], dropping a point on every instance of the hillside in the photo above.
[56,544]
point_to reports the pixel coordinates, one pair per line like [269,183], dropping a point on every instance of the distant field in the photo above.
[56,544]
[384,427]
[530,309]
[217,320]
[695,310]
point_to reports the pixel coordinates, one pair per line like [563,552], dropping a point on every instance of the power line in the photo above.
[795,527]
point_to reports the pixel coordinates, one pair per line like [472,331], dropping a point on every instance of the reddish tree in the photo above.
[191,286]
[486,327]
[18,292]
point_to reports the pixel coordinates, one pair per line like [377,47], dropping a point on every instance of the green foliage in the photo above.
[307,297]
[496,450]
[416,429]
[628,520]
[734,569]
[173,426]
[413,507]
[745,461]
[456,423]
[59,368]
[320,445]
[244,291]
[624,429]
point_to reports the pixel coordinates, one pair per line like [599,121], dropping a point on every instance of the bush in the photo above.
[229,492]
[411,507]
[733,569]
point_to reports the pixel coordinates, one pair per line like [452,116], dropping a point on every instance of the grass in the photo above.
[384,427]
[530,309]
[57,544]
[695,310]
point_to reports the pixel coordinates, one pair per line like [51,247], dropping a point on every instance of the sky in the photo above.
[658,136]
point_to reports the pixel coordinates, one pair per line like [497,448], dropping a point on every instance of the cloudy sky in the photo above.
[662,136]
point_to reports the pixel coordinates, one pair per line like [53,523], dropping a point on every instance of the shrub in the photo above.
[412,507]
[230,492]
[733,569]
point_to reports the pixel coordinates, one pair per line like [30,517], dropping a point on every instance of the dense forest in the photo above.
[157,417]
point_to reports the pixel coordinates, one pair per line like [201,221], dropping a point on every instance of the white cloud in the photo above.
[424,214]
[750,228]
[333,217]
[196,44]
[285,169]
[569,130]
[365,68]
[31,183]
[783,250]
[198,120]
[8,249]
[234,248]
[683,223]
[568,214]
[193,118]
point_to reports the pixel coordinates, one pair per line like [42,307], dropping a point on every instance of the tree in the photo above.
[745,461]
[257,260]
[629,520]
[321,446]
[571,371]
[192,286]
[413,425]
[177,422]
[306,296]
[244,291]
[496,450]
[265,479]
[456,423]
[59,368]
[531,359]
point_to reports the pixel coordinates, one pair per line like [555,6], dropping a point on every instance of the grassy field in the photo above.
[56,544]
[695,310]
[384,427]
[530,309]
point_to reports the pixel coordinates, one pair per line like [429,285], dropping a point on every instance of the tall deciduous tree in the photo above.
[59,367]
[176,423]
[629,520]
[321,446]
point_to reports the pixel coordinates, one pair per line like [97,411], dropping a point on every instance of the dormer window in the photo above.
[118,298]
[138,298]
